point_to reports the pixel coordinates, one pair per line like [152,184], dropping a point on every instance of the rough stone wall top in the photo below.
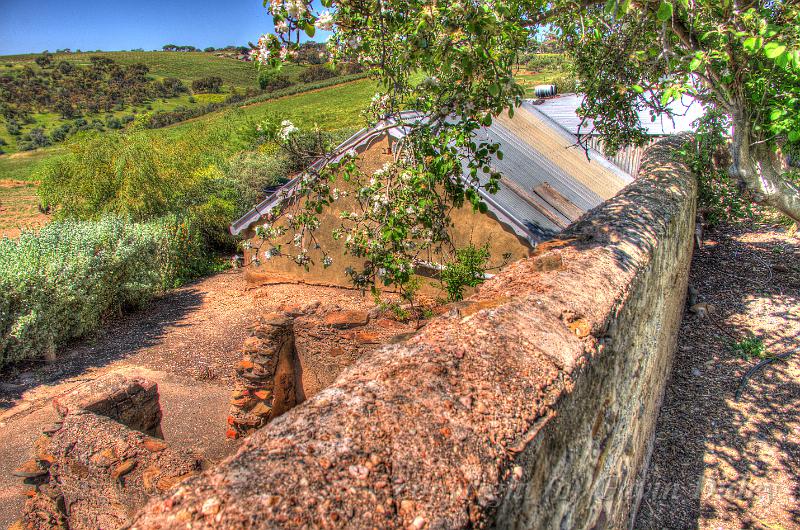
[428,433]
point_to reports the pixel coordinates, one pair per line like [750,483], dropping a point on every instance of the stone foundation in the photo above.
[294,354]
[97,466]
[266,375]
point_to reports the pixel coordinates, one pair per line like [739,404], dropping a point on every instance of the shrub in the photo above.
[143,177]
[466,270]
[718,196]
[171,87]
[60,133]
[35,139]
[113,122]
[270,81]
[59,283]
[316,73]
[537,62]
[3,141]
[349,68]
[13,128]
[211,84]
[255,172]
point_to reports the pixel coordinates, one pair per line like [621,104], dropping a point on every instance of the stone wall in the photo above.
[530,405]
[97,466]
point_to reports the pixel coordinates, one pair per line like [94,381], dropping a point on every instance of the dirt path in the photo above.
[719,463]
[187,342]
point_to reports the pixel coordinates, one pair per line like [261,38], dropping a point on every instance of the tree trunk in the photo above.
[758,169]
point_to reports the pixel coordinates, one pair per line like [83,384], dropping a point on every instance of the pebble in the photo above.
[418,523]
[211,506]
[30,469]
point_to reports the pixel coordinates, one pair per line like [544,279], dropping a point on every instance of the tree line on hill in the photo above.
[71,90]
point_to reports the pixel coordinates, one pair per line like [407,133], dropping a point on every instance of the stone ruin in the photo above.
[105,456]
[103,459]
[296,352]
[266,376]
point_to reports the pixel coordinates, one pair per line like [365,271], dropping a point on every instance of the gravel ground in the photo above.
[719,462]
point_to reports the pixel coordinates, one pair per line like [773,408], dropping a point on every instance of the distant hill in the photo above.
[44,123]
[187,66]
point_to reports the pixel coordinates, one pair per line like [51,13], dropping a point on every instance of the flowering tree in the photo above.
[453,61]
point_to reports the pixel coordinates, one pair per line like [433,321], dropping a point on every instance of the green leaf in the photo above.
[773,49]
[775,114]
[494,90]
[695,64]
[751,44]
[664,11]
[611,7]
[310,30]
[638,89]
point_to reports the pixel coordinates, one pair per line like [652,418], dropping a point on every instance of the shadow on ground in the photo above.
[719,462]
[120,338]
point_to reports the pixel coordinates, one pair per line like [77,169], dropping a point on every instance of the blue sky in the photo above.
[28,26]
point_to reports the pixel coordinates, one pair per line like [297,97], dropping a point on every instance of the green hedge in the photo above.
[59,283]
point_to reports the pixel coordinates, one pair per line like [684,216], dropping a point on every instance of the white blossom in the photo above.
[295,8]
[287,128]
[324,21]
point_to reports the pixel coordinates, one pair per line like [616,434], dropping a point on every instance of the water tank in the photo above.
[545,91]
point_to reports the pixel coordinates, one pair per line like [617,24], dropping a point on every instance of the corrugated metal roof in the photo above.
[563,111]
[547,182]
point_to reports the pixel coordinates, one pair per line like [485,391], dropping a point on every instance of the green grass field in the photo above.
[337,107]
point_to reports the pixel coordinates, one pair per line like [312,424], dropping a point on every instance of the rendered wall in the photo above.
[530,405]
[469,227]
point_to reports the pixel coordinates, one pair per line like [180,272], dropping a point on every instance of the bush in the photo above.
[3,141]
[718,196]
[113,122]
[171,87]
[13,128]
[34,140]
[537,62]
[59,283]
[144,177]
[270,81]
[210,85]
[316,73]
[255,172]
[466,270]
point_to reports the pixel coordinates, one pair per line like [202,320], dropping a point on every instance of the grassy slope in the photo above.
[186,66]
[337,107]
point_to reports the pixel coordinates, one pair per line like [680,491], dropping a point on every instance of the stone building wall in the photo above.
[530,405]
